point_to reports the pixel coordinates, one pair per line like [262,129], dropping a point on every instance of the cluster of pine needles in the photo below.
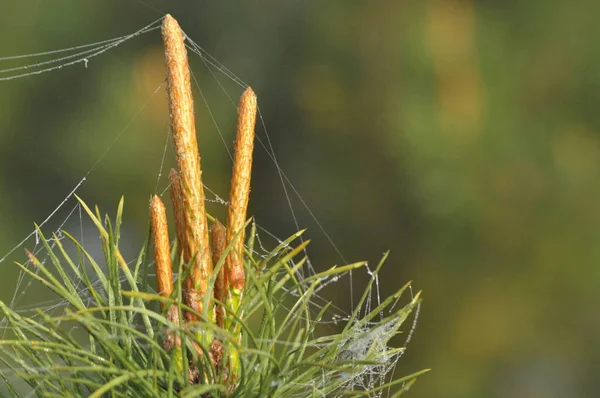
[231,323]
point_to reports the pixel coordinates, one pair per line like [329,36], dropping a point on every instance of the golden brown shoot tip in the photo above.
[249,95]
[162,249]
[157,206]
[170,24]
[168,20]
[158,213]
[217,224]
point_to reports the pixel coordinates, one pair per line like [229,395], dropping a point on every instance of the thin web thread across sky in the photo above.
[69,210]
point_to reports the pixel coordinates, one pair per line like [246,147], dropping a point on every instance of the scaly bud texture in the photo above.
[190,296]
[219,243]
[195,245]
[162,259]
[162,247]
[240,188]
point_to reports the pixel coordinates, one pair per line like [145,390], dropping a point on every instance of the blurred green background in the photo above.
[460,134]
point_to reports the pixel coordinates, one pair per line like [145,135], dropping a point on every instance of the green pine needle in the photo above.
[117,349]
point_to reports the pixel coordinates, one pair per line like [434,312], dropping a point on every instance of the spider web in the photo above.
[68,214]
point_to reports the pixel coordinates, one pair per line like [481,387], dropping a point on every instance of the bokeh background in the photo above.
[463,135]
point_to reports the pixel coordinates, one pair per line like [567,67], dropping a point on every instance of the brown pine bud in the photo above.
[162,260]
[240,188]
[190,295]
[162,247]
[219,244]
[195,243]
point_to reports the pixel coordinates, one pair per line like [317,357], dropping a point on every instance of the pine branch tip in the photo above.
[162,247]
